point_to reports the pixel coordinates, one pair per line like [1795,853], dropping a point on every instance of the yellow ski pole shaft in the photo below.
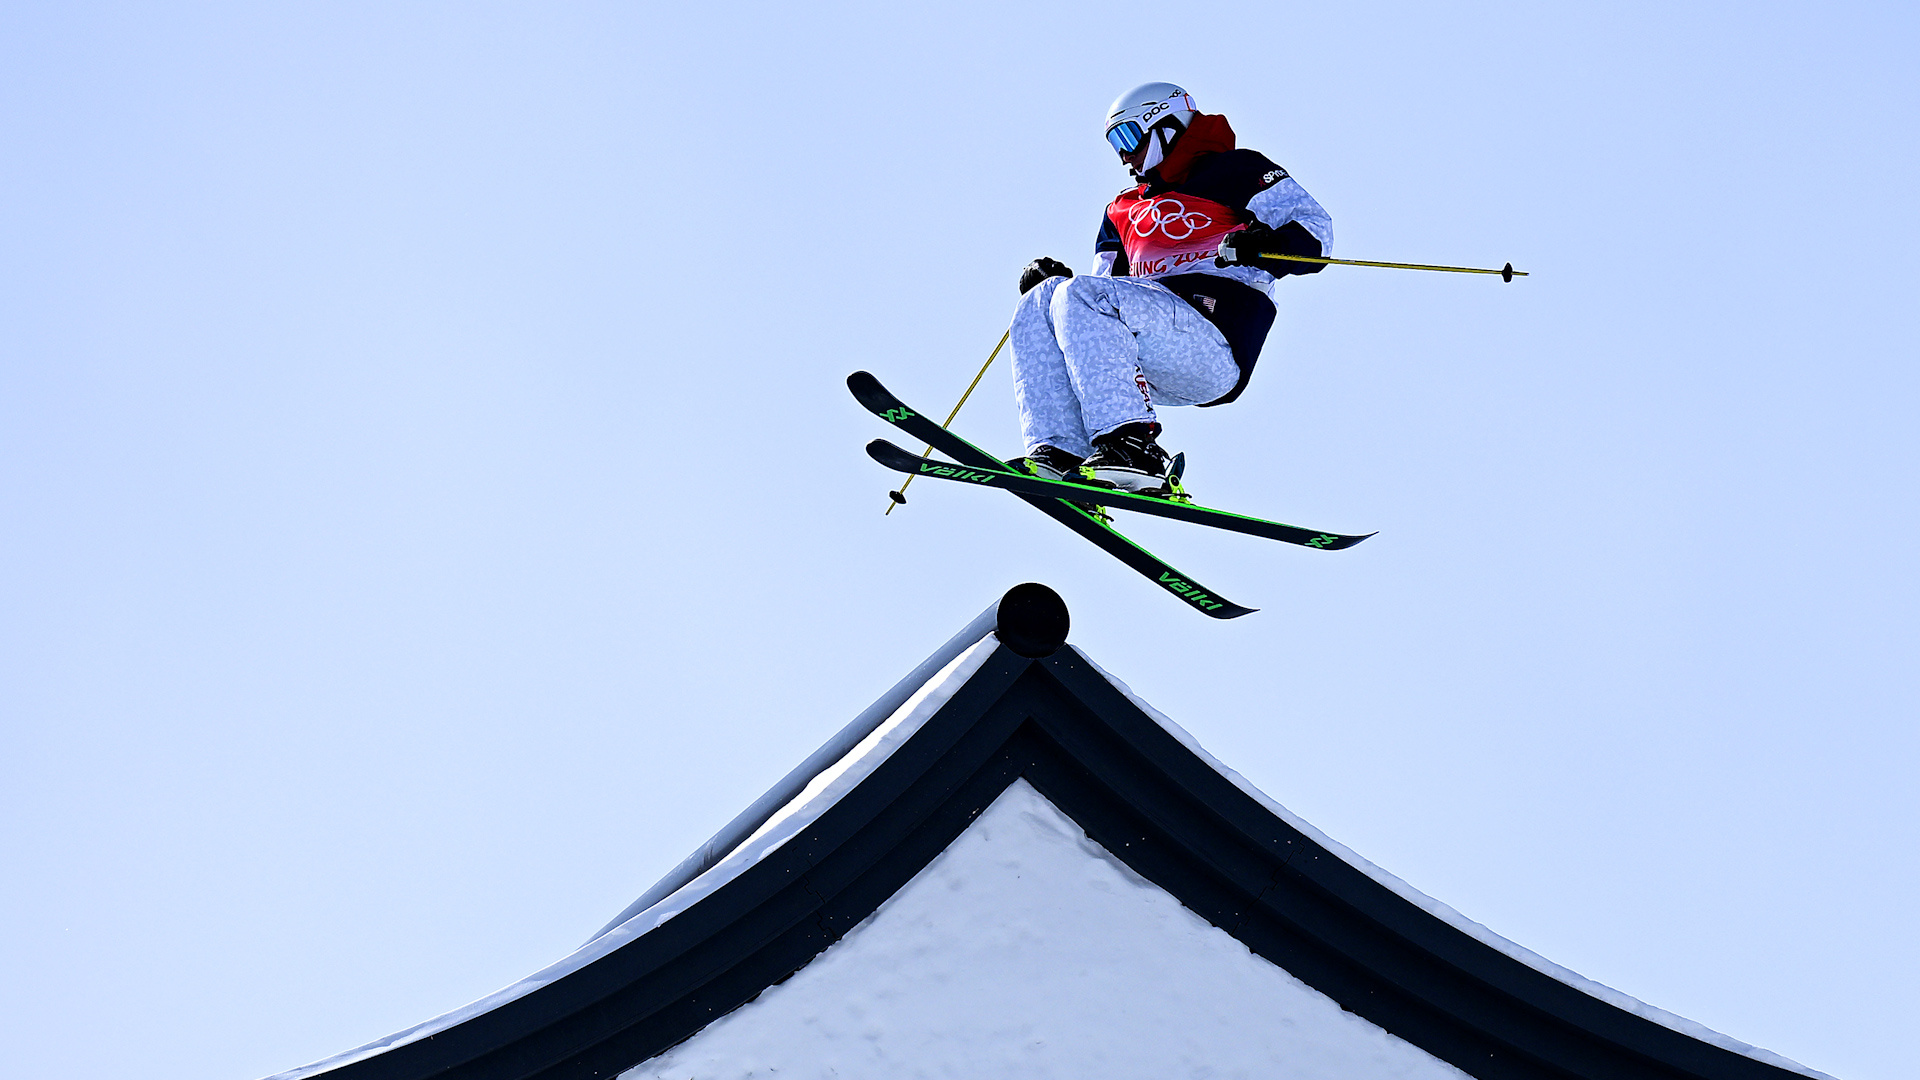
[900,497]
[1506,273]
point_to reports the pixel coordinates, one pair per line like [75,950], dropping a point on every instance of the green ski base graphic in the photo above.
[880,401]
[900,460]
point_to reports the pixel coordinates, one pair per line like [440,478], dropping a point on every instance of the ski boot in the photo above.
[1049,463]
[1053,463]
[1128,458]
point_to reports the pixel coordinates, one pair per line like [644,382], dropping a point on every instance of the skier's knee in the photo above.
[1042,294]
[1085,290]
[1034,313]
[1037,302]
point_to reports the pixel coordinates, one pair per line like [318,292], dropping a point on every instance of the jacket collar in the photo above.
[1208,133]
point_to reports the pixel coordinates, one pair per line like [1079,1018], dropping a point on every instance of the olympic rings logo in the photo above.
[1168,217]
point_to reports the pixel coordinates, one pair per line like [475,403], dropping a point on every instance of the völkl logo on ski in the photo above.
[1187,592]
[958,474]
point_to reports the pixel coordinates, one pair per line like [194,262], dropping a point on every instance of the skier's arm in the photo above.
[1110,256]
[1299,224]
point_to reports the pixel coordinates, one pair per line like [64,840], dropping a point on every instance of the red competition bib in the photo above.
[1164,234]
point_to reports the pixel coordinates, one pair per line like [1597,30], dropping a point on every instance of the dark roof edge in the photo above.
[709,854]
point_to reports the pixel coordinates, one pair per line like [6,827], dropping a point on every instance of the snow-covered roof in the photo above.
[822,868]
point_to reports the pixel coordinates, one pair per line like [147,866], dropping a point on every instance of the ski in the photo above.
[880,401]
[900,460]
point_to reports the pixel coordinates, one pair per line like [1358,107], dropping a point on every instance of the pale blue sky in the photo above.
[431,505]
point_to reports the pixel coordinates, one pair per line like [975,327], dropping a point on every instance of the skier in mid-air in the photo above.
[1175,311]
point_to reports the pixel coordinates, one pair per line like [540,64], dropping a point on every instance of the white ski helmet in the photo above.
[1156,112]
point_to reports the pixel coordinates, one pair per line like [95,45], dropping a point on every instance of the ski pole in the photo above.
[900,497]
[1507,272]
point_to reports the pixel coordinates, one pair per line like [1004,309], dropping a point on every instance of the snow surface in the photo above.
[1453,918]
[1027,950]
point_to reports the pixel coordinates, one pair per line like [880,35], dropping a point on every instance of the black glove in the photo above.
[1244,247]
[1040,270]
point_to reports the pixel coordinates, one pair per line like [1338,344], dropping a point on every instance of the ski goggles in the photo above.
[1126,136]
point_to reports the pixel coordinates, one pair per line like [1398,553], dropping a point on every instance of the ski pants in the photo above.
[1093,353]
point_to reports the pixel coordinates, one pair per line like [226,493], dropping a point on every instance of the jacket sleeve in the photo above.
[1286,201]
[1110,255]
[1258,189]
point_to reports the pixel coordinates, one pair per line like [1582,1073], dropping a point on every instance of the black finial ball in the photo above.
[1032,620]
